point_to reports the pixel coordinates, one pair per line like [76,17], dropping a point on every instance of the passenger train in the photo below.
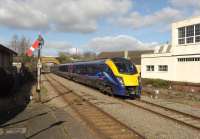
[115,76]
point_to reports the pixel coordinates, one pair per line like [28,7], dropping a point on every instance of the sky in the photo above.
[93,25]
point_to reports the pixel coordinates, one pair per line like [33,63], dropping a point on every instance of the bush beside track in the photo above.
[11,80]
[177,86]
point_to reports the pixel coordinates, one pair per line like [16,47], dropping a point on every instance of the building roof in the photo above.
[135,56]
[163,48]
[7,50]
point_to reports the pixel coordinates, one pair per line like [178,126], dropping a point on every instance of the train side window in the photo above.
[95,69]
[89,69]
[83,69]
[80,69]
[77,69]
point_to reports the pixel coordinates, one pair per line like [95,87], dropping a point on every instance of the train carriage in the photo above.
[116,76]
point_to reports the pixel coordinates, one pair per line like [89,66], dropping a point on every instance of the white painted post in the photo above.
[126,54]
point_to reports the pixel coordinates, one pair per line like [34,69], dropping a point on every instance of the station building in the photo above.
[178,61]
[6,56]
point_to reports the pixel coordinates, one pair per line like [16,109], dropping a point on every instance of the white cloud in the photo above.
[185,3]
[58,45]
[59,15]
[99,44]
[117,43]
[163,17]
[18,14]
[53,48]
[188,7]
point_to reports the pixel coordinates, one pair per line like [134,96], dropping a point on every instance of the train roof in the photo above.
[87,62]
[100,61]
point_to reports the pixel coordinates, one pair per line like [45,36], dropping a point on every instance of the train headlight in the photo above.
[120,80]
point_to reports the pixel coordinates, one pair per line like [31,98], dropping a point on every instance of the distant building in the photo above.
[180,60]
[6,56]
[134,56]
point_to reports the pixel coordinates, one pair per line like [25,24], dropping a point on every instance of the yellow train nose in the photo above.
[130,80]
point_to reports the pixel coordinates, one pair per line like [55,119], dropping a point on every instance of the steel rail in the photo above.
[180,117]
[99,113]
[191,118]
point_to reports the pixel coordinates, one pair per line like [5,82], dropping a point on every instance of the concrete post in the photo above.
[126,54]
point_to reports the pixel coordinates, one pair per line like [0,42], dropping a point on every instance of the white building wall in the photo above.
[156,61]
[184,71]
[188,71]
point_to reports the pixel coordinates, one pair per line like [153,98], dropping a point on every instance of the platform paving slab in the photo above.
[35,122]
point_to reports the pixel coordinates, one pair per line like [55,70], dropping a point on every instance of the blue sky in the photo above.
[93,25]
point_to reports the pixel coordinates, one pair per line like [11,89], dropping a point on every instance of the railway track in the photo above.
[101,122]
[177,116]
[168,113]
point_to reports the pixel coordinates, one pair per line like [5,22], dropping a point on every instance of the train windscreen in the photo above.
[124,66]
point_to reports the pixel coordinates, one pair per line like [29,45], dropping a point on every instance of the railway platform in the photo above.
[22,118]
[36,121]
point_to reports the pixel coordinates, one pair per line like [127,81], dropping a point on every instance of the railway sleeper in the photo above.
[100,124]
[126,136]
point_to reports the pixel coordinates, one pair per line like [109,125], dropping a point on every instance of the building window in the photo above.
[181,32]
[162,68]
[197,39]
[197,33]
[197,29]
[150,68]
[181,35]
[189,31]
[189,34]
[189,59]
[181,41]
[190,40]
[197,58]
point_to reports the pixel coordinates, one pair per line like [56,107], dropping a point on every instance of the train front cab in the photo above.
[128,77]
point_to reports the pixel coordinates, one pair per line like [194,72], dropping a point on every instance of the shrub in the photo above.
[156,83]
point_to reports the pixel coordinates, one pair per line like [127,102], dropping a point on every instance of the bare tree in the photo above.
[20,45]
[24,44]
[14,43]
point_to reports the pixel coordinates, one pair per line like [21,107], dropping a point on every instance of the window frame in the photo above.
[197,35]
[189,38]
[188,59]
[181,37]
[150,68]
[163,68]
